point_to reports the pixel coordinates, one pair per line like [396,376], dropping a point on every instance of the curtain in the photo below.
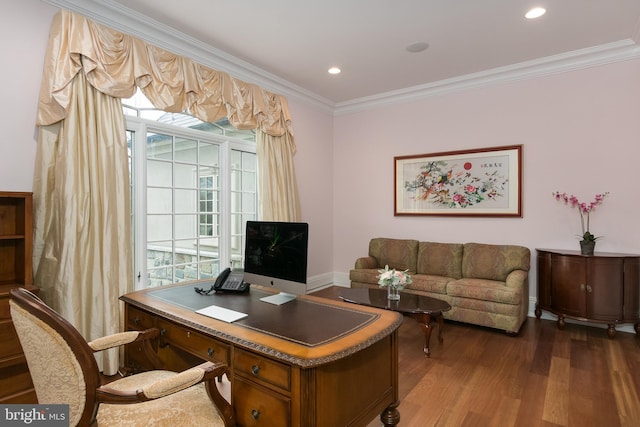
[82,215]
[275,172]
[81,186]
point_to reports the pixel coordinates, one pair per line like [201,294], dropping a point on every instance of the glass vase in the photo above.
[393,293]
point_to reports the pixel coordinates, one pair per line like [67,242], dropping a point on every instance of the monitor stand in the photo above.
[279,299]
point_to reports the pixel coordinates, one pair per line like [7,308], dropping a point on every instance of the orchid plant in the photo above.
[584,209]
[391,277]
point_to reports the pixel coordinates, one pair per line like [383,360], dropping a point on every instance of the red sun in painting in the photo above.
[467,166]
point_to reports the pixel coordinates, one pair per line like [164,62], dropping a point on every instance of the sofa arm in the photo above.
[366,262]
[518,279]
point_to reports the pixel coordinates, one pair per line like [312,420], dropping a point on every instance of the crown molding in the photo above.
[121,18]
[579,59]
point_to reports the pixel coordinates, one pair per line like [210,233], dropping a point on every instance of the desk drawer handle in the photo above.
[163,332]
[255,369]
[255,414]
[136,320]
[210,351]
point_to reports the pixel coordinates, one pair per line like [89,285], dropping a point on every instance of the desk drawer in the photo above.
[197,344]
[262,369]
[138,320]
[258,406]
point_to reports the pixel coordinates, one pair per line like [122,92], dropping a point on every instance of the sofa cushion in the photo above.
[364,275]
[396,253]
[429,283]
[486,290]
[493,262]
[440,259]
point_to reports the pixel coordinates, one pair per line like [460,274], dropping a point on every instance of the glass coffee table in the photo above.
[421,308]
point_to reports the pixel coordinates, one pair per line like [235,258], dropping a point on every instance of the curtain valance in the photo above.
[115,63]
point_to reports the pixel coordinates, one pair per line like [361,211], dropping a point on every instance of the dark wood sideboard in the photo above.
[601,288]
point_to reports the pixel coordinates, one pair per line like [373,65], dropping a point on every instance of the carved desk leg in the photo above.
[390,417]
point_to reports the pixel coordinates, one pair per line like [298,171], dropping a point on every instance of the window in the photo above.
[207,201]
[193,187]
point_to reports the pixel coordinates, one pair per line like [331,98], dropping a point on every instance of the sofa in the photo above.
[486,285]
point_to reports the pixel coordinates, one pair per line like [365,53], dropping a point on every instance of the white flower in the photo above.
[393,278]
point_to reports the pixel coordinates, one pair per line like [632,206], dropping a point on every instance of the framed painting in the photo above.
[480,182]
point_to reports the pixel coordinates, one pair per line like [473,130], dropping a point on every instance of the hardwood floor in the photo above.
[542,377]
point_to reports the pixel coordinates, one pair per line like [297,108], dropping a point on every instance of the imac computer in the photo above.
[276,257]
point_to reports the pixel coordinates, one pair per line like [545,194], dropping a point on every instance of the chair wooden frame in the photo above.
[97,392]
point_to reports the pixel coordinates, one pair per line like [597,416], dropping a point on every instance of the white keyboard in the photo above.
[221,313]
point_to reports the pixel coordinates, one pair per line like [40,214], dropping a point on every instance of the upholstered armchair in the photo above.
[64,371]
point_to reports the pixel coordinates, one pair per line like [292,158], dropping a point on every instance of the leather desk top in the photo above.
[306,331]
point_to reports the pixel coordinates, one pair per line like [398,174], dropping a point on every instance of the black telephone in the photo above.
[227,281]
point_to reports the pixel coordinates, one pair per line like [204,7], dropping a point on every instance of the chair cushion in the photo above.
[190,407]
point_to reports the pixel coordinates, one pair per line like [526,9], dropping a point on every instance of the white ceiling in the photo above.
[298,40]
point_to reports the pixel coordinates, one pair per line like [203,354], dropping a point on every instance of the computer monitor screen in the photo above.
[276,257]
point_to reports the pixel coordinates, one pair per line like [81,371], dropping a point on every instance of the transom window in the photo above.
[193,187]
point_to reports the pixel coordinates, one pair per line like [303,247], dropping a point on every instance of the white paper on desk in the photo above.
[221,313]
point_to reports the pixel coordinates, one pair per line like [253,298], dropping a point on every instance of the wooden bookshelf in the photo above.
[16,247]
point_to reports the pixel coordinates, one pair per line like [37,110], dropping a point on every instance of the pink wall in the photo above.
[24,31]
[580,132]
[313,130]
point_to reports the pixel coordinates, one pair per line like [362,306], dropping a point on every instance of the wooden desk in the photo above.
[310,362]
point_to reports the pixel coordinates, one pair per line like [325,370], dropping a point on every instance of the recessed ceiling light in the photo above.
[334,70]
[417,47]
[536,12]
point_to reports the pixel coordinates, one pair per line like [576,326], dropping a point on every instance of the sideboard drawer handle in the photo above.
[589,289]
[210,351]
[136,320]
[163,332]
[255,414]
[255,369]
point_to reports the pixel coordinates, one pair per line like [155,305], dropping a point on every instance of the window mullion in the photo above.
[140,204]
[224,172]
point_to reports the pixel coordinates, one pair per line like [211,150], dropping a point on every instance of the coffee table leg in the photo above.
[425,323]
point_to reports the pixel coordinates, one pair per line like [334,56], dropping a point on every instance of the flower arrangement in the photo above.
[584,209]
[392,277]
